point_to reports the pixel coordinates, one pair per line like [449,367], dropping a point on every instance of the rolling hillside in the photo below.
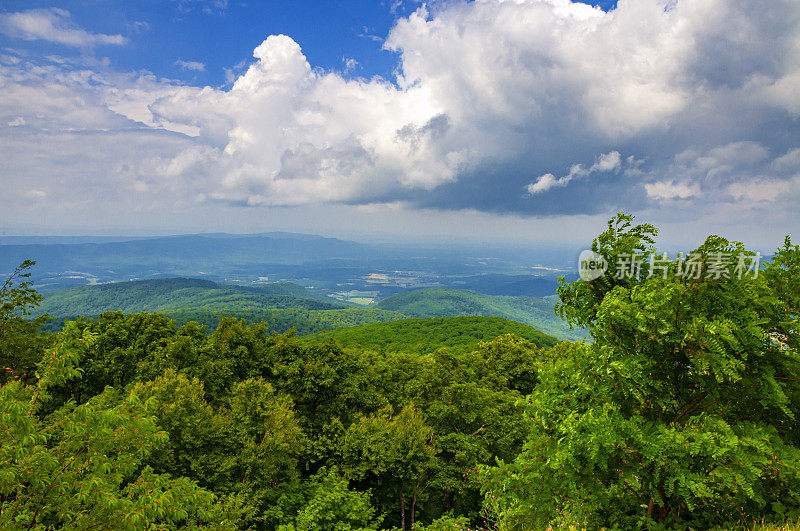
[172,294]
[428,335]
[445,302]
[284,305]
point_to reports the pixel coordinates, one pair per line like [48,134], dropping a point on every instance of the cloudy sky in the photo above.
[532,120]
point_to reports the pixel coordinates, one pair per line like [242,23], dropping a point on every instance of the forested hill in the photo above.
[444,302]
[428,335]
[680,414]
[284,305]
[172,294]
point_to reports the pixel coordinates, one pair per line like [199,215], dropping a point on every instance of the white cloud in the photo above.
[195,66]
[16,122]
[670,190]
[788,162]
[546,182]
[733,171]
[492,96]
[760,190]
[140,26]
[366,34]
[606,162]
[287,134]
[54,25]
[350,64]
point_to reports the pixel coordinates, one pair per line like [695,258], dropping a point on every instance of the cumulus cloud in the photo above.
[790,162]
[194,66]
[492,98]
[760,190]
[54,25]
[668,190]
[350,64]
[607,162]
[287,134]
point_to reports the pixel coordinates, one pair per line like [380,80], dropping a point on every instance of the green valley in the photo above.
[284,305]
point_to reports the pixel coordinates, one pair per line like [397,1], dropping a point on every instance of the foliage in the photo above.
[682,410]
[83,466]
[446,302]
[282,320]
[253,416]
[179,293]
[20,341]
[680,413]
[427,335]
[396,451]
[330,505]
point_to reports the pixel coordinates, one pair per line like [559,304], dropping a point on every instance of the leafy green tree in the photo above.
[123,345]
[513,359]
[396,452]
[681,410]
[194,429]
[329,505]
[474,415]
[82,467]
[21,342]
[329,387]
[246,450]
[445,523]
[783,277]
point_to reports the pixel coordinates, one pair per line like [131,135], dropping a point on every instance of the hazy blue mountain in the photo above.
[175,251]
[217,257]
[344,269]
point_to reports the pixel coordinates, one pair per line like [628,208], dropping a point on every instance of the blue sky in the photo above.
[530,120]
[163,32]
[222,34]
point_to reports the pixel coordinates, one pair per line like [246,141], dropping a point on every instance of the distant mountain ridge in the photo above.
[176,250]
[348,269]
[73,240]
[219,257]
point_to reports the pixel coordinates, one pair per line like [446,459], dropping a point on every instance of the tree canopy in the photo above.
[680,412]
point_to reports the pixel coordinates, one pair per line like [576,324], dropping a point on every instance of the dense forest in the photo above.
[172,294]
[429,335]
[285,305]
[282,305]
[447,302]
[679,413]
